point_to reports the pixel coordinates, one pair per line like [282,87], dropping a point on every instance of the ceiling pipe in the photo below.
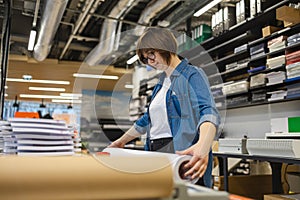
[150,12]
[147,15]
[186,10]
[88,17]
[108,34]
[118,36]
[52,14]
[89,5]
[106,45]
[36,12]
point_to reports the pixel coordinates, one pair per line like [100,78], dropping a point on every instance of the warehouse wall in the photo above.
[255,121]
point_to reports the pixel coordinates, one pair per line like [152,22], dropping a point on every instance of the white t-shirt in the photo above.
[158,113]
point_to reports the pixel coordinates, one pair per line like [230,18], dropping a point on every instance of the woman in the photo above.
[181,117]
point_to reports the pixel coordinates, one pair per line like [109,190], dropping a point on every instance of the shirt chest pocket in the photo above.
[180,106]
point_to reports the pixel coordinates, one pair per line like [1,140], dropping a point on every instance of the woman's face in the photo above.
[155,60]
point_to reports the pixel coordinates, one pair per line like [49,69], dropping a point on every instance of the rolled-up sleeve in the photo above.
[142,123]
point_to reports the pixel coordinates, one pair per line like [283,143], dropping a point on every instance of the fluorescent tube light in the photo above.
[38,81]
[47,89]
[66,101]
[31,40]
[132,59]
[96,76]
[206,8]
[45,96]
[128,86]
[70,94]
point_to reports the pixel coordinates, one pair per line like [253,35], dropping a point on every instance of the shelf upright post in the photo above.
[4,50]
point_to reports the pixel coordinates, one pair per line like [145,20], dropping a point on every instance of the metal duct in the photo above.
[186,10]
[108,34]
[106,46]
[82,17]
[53,11]
[149,13]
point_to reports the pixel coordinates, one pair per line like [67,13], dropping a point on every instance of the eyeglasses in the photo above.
[150,55]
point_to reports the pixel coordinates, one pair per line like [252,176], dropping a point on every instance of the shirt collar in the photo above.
[177,71]
[182,65]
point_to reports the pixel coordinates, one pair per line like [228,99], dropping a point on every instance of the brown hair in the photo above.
[161,40]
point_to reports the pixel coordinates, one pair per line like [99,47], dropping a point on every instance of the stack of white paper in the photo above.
[236,87]
[8,141]
[277,95]
[277,43]
[293,70]
[30,136]
[276,77]
[4,126]
[276,62]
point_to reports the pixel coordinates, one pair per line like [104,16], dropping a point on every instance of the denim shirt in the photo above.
[189,103]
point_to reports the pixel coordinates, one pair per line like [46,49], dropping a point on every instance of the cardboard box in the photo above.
[268,30]
[287,24]
[281,196]
[238,197]
[288,15]
[293,178]
[251,186]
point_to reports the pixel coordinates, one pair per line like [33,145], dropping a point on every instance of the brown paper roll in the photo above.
[84,177]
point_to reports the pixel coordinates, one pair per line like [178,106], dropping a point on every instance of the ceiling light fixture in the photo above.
[129,86]
[38,81]
[96,76]
[66,101]
[33,31]
[70,94]
[206,8]
[132,59]
[31,40]
[47,89]
[45,96]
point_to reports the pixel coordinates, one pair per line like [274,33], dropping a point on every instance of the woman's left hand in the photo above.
[196,167]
